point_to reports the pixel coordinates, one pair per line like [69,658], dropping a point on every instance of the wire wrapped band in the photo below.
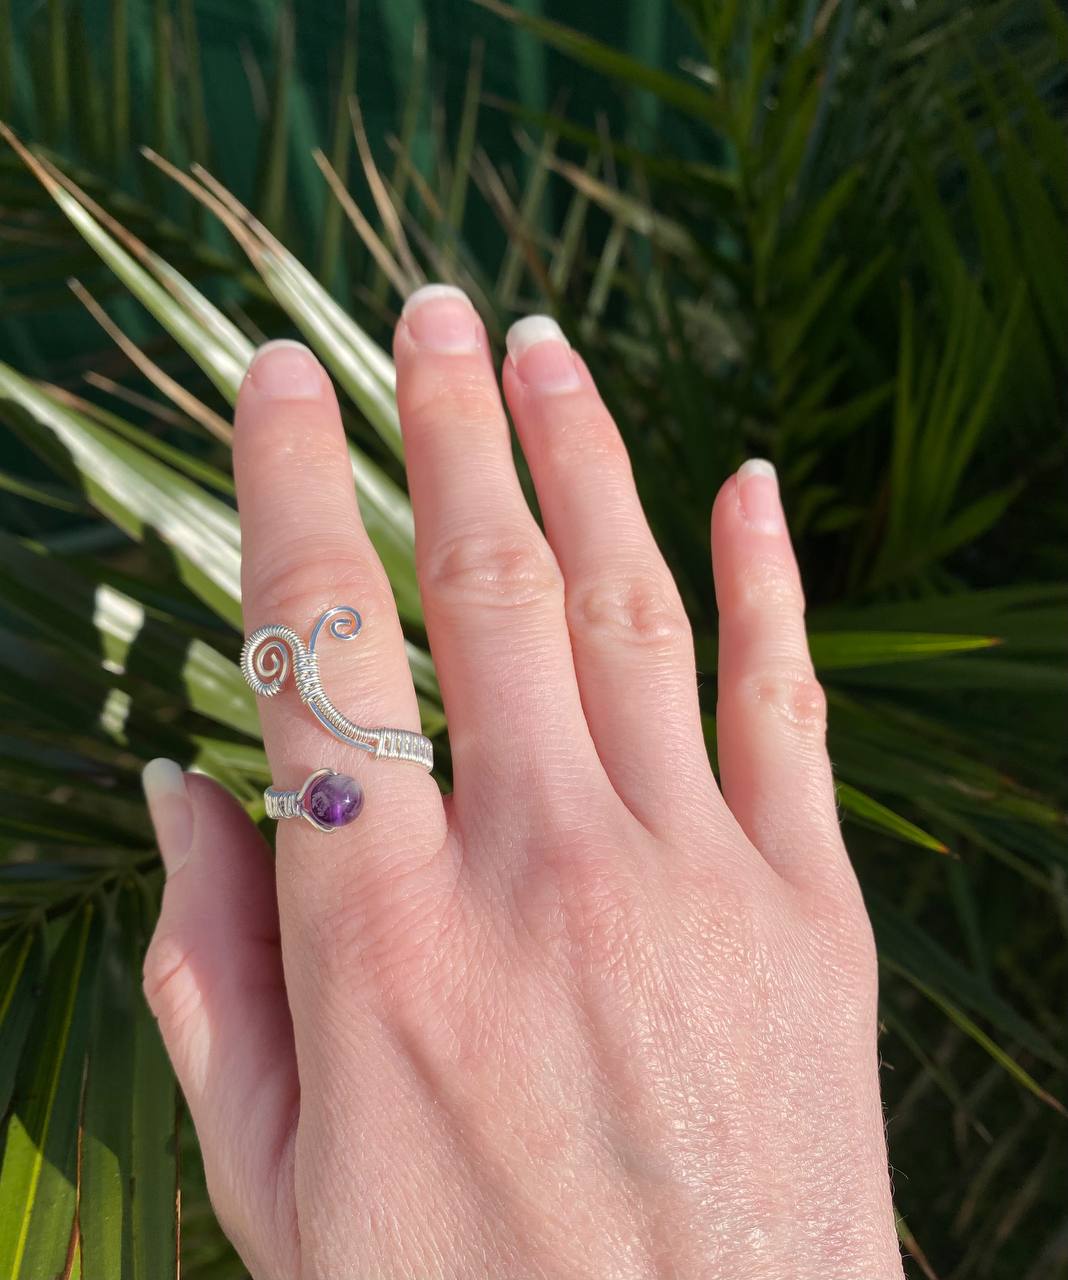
[281,804]
[270,651]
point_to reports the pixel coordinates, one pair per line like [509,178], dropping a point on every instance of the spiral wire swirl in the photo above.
[271,652]
[266,658]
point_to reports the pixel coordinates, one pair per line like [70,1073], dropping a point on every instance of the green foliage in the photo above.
[832,235]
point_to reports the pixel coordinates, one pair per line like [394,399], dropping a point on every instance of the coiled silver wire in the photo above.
[270,652]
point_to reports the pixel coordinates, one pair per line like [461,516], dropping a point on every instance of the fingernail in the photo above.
[287,370]
[758,494]
[170,810]
[542,355]
[440,318]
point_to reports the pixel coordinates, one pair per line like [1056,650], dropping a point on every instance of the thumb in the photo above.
[213,979]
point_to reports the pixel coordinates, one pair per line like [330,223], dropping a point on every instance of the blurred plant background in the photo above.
[832,233]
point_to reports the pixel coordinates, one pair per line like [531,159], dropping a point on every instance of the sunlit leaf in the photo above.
[139,493]
[833,650]
[21,962]
[128,1141]
[870,812]
[38,1170]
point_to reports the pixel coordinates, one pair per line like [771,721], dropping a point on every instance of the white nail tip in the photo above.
[531,330]
[429,292]
[162,777]
[277,344]
[756,467]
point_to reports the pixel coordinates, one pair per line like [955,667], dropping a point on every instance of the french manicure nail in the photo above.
[758,494]
[542,355]
[286,370]
[440,318]
[170,809]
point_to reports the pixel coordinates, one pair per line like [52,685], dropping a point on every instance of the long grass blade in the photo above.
[119,84]
[342,201]
[406,143]
[127,1216]
[271,195]
[181,460]
[688,98]
[7,60]
[163,95]
[22,961]
[465,145]
[58,99]
[38,1171]
[217,362]
[838,650]
[526,230]
[389,209]
[196,117]
[872,813]
[185,400]
[340,148]
[910,951]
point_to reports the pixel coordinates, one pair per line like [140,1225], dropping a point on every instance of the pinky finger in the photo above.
[771,718]
[213,979]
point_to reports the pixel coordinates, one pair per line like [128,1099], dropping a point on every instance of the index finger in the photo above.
[305,550]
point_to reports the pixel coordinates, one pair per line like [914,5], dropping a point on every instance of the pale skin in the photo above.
[592,1014]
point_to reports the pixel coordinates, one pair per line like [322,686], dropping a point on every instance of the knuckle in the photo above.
[769,584]
[380,929]
[589,441]
[492,570]
[594,894]
[795,697]
[644,610]
[313,576]
[731,927]
[465,396]
[379,948]
[600,916]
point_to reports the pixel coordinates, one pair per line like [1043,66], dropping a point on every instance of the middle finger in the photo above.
[492,591]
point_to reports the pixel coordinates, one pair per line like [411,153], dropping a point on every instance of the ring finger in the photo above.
[630,636]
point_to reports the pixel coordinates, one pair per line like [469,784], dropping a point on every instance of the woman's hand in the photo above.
[590,1015]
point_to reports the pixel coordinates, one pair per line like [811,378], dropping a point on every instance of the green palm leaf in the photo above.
[128,1162]
[137,492]
[39,1171]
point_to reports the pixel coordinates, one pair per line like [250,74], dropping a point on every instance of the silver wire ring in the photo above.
[270,651]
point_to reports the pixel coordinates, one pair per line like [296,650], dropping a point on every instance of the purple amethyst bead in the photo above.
[335,800]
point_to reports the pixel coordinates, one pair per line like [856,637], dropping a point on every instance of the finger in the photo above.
[631,640]
[304,551]
[213,978]
[491,589]
[771,719]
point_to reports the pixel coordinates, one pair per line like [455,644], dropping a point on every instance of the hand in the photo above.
[590,1015]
